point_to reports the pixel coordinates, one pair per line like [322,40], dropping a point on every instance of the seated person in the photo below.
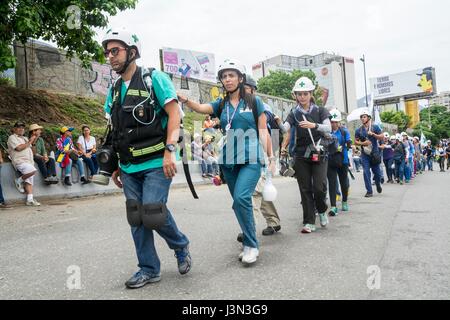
[67,154]
[45,164]
[196,150]
[208,124]
[210,156]
[88,147]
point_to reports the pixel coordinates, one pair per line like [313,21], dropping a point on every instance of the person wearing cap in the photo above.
[400,156]
[312,125]
[145,115]
[244,125]
[45,164]
[338,162]
[87,145]
[368,137]
[19,148]
[3,204]
[66,155]
[388,156]
[428,152]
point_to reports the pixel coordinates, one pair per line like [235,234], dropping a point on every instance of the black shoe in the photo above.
[140,279]
[240,237]
[379,189]
[369,195]
[271,230]
[67,181]
[84,180]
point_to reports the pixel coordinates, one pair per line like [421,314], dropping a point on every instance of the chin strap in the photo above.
[127,63]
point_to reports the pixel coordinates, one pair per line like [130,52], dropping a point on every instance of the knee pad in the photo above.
[134,213]
[154,215]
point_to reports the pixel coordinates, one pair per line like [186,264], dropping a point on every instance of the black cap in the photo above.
[19,124]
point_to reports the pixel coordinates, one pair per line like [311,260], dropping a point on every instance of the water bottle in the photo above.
[270,192]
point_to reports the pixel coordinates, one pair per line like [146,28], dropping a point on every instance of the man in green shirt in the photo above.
[46,165]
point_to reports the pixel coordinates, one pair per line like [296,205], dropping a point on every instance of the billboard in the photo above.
[189,64]
[415,84]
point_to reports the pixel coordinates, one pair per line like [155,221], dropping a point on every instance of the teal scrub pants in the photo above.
[242,180]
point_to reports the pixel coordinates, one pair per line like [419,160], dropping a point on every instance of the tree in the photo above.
[69,23]
[434,123]
[280,84]
[398,118]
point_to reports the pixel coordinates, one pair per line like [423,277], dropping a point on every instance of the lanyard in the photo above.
[229,121]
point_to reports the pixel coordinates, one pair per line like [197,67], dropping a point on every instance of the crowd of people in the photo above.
[26,151]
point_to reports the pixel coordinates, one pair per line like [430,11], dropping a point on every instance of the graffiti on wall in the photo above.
[99,78]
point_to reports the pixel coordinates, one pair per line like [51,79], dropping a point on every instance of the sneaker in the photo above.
[401,183]
[333,212]
[240,237]
[379,189]
[345,206]
[244,251]
[309,228]
[84,180]
[250,256]
[5,206]
[271,230]
[369,195]
[184,260]
[48,181]
[33,203]
[19,185]
[67,181]
[323,220]
[140,279]
[54,180]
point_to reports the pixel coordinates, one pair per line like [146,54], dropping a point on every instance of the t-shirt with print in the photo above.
[165,93]
[241,143]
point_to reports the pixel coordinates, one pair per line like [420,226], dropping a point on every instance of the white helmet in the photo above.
[129,39]
[365,112]
[404,134]
[386,135]
[336,115]
[231,64]
[393,138]
[304,84]
[398,137]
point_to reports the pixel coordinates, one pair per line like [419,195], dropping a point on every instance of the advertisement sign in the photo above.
[189,64]
[420,83]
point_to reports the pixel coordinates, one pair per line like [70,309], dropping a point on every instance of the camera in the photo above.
[108,162]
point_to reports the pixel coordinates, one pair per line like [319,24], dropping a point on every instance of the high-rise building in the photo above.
[442,99]
[335,75]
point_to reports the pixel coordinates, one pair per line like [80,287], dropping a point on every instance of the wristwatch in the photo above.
[171,148]
[317,126]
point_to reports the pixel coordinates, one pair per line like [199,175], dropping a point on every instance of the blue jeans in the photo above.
[92,164]
[430,163]
[399,169]
[79,165]
[151,186]
[2,199]
[367,174]
[242,181]
[407,171]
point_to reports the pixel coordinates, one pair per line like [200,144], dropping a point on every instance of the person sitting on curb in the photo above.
[3,204]
[45,164]
[88,146]
[67,154]
[19,149]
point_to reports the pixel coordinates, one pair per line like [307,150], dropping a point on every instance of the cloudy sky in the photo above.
[395,36]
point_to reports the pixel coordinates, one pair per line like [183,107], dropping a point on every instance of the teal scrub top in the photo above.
[241,143]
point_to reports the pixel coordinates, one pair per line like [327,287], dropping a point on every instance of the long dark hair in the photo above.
[242,95]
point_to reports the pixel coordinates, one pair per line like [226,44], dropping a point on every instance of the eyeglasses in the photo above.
[114,51]
[299,94]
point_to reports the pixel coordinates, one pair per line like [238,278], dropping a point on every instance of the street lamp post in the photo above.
[363,60]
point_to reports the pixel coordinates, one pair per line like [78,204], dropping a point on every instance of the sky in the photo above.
[395,36]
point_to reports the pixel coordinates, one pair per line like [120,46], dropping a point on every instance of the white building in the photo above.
[442,99]
[335,75]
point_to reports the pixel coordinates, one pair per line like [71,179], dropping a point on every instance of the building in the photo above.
[335,75]
[442,99]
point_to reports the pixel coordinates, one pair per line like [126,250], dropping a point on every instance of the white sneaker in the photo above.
[33,203]
[241,255]
[250,256]
[19,185]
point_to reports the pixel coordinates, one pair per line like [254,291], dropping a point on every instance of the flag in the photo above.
[377,117]
[423,139]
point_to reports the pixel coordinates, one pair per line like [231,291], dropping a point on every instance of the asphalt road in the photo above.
[393,246]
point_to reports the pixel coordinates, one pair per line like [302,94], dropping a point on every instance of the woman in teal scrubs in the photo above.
[241,157]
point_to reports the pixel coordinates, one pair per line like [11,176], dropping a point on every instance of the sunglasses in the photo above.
[114,51]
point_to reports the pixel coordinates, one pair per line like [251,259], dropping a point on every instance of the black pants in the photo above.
[333,174]
[47,169]
[312,181]
[442,163]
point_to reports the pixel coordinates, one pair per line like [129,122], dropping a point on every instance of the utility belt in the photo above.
[315,154]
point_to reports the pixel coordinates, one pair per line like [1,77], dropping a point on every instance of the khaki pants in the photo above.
[265,208]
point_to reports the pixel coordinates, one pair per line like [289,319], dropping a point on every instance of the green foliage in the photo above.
[398,118]
[435,123]
[280,84]
[6,82]
[58,21]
